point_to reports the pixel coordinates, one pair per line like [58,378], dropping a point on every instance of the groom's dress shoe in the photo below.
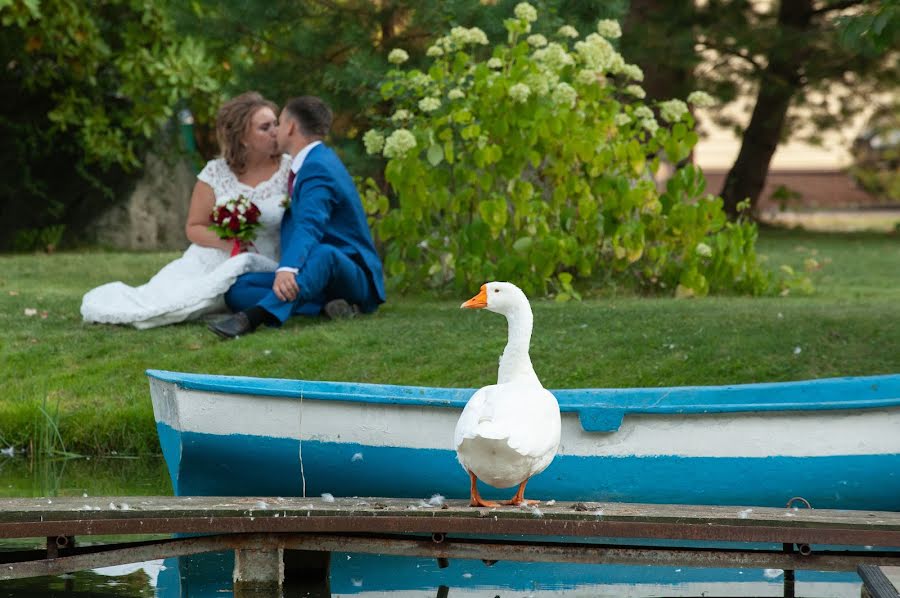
[232,327]
[339,309]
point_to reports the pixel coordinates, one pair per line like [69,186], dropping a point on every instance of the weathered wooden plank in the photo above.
[79,516]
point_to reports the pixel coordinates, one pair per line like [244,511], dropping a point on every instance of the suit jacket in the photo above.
[326,208]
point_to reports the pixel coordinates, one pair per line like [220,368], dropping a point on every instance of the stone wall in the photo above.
[153,218]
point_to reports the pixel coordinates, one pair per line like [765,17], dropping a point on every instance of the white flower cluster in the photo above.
[632,71]
[429,104]
[672,110]
[636,90]
[434,51]
[701,99]
[398,143]
[537,40]
[643,112]
[564,95]
[456,94]
[553,56]
[568,31]
[398,56]
[401,115]
[621,119]
[526,12]
[463,36]
[595,52]
[589,76]
[520,92]
[374,141]
[609,28]
[703,250]
[650,124]
[495,63]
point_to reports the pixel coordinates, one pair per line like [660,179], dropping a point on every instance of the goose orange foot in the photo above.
[519,500]
[476,500]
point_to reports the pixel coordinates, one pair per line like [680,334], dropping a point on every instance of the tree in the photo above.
[86,88]
[813,64]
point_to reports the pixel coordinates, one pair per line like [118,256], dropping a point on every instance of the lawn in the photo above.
[94,374]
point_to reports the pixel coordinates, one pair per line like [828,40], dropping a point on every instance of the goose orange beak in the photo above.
[479,301]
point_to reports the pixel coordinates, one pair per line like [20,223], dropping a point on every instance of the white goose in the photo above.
[509,431]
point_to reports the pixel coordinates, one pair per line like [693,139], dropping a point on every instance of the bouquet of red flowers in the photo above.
[237,220]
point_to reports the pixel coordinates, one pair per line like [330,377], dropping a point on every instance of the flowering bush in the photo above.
[536,164]
[236,220]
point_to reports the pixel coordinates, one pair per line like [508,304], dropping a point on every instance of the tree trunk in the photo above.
[780,81]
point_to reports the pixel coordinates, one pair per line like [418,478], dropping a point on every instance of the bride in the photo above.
[195,284]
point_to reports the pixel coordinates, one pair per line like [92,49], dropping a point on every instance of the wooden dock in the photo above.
[564,532]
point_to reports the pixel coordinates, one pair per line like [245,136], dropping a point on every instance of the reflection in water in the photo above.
[108,476]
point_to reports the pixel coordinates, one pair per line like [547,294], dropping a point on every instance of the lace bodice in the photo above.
[268,196]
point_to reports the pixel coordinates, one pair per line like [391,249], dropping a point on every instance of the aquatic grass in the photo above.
[95,374]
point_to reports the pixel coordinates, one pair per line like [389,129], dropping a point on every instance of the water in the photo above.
[358,575]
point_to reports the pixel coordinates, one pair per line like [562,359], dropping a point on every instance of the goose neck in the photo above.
[515,363]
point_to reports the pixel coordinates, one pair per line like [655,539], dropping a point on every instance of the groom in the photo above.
[328,259]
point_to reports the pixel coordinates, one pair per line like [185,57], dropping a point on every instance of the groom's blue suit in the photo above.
[325,236]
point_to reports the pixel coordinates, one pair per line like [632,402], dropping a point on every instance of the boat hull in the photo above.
[233,443]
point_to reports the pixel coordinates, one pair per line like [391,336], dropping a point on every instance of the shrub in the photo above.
[536,164]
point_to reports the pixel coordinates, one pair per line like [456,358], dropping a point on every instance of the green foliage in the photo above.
[88,88]
[114,69]
[537,165]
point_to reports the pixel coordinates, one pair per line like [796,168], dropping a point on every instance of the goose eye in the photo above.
[496,290]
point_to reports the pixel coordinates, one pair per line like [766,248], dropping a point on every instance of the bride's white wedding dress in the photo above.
[195,284]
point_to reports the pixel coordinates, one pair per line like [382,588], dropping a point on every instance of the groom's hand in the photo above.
[285,286]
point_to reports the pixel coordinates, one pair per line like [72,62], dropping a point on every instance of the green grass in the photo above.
[95,373]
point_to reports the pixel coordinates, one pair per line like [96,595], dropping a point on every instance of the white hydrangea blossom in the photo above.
[595,52]
[398,56]
[643,112]
[632,71]
[401,115]
[434,51]
[554,56]
[672,110]
[648,123]
[621,119]
[703,250]
[374,141]
[636,90]
[429,104]
[589,76]
[564,95]
[519,92]
[701,99]
[495,63]
[465,36]
[609,28]
[526,12]
[398,143]
[541,83]
[456,94]
[421,80]
[568,31]
[537,40]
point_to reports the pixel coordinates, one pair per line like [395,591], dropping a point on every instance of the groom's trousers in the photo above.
[327,274]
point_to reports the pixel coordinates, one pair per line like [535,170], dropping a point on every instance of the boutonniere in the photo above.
[286,202]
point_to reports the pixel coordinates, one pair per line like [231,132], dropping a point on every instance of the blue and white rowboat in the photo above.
[834,442]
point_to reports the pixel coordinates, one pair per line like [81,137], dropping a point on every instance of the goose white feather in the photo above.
[509,431]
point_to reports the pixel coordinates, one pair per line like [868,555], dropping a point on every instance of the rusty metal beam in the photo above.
[103,556]
[213,515]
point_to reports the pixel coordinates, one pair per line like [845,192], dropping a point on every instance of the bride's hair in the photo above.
[232,123]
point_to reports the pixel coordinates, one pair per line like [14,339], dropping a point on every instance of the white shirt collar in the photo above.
[301,156]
